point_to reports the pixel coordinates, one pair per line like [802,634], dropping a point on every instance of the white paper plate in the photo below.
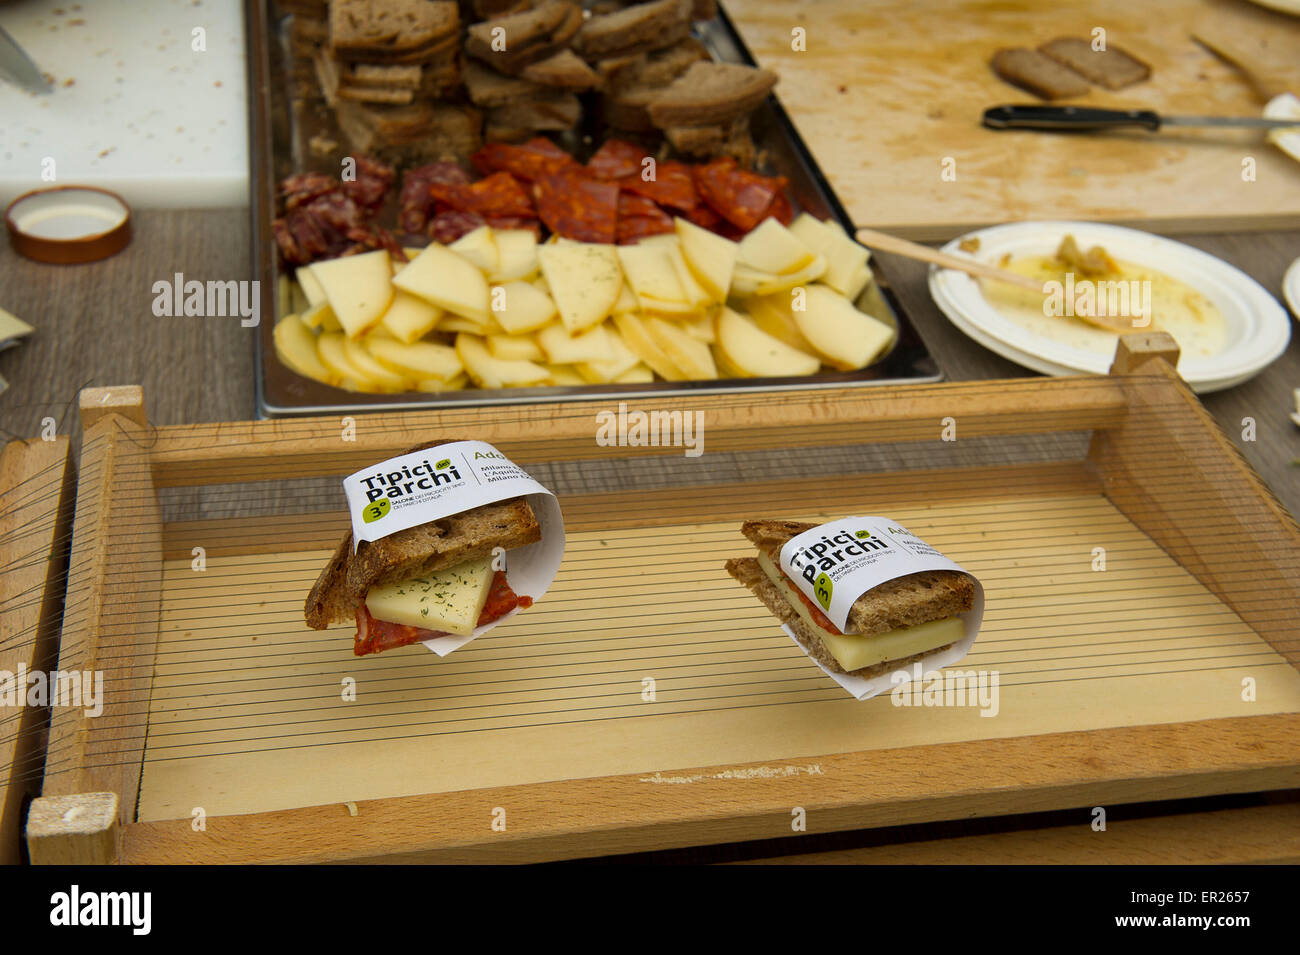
[1258,328]
[1285,106]
[1291,288]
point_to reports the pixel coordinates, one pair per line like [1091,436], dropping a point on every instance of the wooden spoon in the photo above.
[892,243]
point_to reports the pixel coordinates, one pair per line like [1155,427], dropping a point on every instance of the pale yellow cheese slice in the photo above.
[853,651]
[449,600]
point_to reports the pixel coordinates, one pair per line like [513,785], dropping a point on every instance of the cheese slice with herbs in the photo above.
[449,601]
[854,651]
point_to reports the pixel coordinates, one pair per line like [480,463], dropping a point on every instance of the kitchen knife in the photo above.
[1067,119]
[17,67]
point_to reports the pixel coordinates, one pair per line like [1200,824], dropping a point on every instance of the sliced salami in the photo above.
[578,208]
[672,185]
[616,159]
[741,197]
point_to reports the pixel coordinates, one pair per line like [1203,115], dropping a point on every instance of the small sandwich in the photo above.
[424,582]
[890,626]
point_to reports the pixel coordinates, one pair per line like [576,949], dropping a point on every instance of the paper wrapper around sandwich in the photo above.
[488,477]
[913,555]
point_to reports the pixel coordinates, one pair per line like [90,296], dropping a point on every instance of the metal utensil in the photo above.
[17,67]
[1067,119]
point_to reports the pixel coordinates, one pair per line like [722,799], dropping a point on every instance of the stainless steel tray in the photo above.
[281,122]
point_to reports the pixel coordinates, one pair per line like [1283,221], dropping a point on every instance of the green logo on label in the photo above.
[862,535]
[373,512]
[823,588]
[444,463]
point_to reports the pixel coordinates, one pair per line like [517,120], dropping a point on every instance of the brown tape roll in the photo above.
[66,225]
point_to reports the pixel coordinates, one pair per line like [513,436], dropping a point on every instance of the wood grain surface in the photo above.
[94,326]
[888,91]
[37,486]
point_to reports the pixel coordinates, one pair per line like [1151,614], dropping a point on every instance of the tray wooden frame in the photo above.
[125,462]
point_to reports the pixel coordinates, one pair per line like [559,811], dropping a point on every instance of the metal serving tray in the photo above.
[282,125]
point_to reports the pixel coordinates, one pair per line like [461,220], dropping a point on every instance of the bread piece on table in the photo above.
[386,77]
[551,111]
[655,69]
[1038,73]
[748,572]
[1112,67]
[902,602]
[391,26]
[447,46]
[627,109]
[488,88]
[420,131]
[529,36]
[709,93]
[635,26]
[565,70]
[709,142]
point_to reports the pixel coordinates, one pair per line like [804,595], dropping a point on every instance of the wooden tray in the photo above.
[224,738]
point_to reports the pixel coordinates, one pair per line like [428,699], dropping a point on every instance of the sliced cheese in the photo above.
[449,601]
[854,651]
[585,281]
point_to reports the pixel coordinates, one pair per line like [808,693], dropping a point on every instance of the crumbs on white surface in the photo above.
[754,772]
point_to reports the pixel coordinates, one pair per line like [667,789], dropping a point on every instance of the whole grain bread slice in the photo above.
[488,88]
[552,111]
[1112,67]
[390,26]
[528,36]
[1038,73]
[415,551]
[711,93]
[901,602]
[748,572]
[631,27]
[565,70]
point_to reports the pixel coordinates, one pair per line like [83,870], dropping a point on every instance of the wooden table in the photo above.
[95,326]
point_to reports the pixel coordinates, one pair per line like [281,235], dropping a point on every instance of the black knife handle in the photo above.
[1066,119]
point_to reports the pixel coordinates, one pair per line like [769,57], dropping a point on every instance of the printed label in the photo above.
[836,563]
[413,489]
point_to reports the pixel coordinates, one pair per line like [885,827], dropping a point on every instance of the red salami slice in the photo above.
[672,186]
[630,204]
[447,227]
[633,229]
[540,144]
[616,159]
[415,203]
[369,187]
[703,216]
[781,209]
[500,194]
[522,161]
[741,197]
[578,208]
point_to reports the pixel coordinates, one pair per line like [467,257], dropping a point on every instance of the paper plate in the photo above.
[1291,288]
[1285,106]
[1257,327]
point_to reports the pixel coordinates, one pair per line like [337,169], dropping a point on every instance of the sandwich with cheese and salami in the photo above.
[890,626]
[435,579]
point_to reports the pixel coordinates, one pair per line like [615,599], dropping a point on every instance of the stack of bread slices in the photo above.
[655,75]
[523,74]
[391,69]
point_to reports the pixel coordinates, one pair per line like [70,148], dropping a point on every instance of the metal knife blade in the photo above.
[1084,118]
[17,66]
